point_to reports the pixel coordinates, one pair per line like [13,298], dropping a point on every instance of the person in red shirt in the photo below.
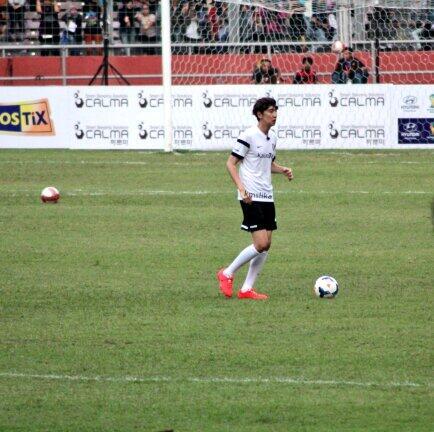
[306,75]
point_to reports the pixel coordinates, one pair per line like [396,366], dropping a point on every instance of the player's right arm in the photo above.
[231,165]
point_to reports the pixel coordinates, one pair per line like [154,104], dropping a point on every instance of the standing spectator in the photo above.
[306,75]
[3,24]
[322,31]
[153,6]
[265,73]
[223,33]
[49,29]
[73,29]
[213,20]
[147,31]
[92,20]
[297,26]
[401,31]
[246,22]
[178,15]
[192,34]
[350,68]
[258,31]
[273,28]
[427,33]
[16,19]
[127,30]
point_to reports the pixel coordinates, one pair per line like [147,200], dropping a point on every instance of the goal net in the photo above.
[220,45]
[265,41]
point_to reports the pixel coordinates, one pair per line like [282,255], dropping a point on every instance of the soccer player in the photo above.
[350,68]
[254,153]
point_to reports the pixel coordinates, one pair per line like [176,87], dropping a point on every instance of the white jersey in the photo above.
[257,151]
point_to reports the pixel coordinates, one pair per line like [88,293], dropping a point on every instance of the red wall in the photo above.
[145,66]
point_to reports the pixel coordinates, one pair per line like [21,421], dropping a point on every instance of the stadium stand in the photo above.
[203,27]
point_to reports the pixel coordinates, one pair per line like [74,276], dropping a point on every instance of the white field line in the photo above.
[80,192]
[186,163]
[214,380]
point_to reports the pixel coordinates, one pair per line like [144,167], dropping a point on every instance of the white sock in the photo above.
[255,268]
[244,257]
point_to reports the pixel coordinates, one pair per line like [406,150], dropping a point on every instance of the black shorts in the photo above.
[258,216]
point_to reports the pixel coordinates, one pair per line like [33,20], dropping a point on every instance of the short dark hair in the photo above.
[263,104]
[307,59]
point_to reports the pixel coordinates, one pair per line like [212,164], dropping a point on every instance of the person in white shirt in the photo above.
[255,154]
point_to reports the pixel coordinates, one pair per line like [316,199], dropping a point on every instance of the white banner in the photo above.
[413,120]
[211,117]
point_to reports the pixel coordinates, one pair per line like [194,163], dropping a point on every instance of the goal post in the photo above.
[167,72]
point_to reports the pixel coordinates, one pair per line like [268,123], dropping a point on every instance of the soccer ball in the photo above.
[326,287]
[337,47]
[50,195]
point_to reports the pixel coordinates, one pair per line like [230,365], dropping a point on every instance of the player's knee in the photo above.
[262,245]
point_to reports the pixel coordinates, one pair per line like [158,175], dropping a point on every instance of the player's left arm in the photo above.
[287,172]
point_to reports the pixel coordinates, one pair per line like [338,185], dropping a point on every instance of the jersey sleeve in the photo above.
[241,147]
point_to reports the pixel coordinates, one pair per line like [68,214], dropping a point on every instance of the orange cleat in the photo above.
[252,295]
[226,283]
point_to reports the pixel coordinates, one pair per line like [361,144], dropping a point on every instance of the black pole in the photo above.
[104,78]
[377,17]
[377,60]
[105,64]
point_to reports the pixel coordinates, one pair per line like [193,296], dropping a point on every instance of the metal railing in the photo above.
[270,49]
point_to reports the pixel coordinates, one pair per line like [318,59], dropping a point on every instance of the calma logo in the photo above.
[100,100]
[79,133]
[206,131]
[143,102]
[143,133]
[152,133]
[182,101]
[151,101]
[333,131]
[207,101]
[30,118]
[79,102]
[333,100]
[371,135]
[298,100]
[356,100]
[228,100]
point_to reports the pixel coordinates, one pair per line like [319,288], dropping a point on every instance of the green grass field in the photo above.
[111,320]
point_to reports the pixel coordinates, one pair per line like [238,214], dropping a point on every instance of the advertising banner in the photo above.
[413,123]
[32,118]
[211,117]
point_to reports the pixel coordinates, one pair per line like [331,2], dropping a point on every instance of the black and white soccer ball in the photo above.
[326,287]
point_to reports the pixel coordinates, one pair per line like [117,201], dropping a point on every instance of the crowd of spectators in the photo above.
[348,70]
[298,29]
